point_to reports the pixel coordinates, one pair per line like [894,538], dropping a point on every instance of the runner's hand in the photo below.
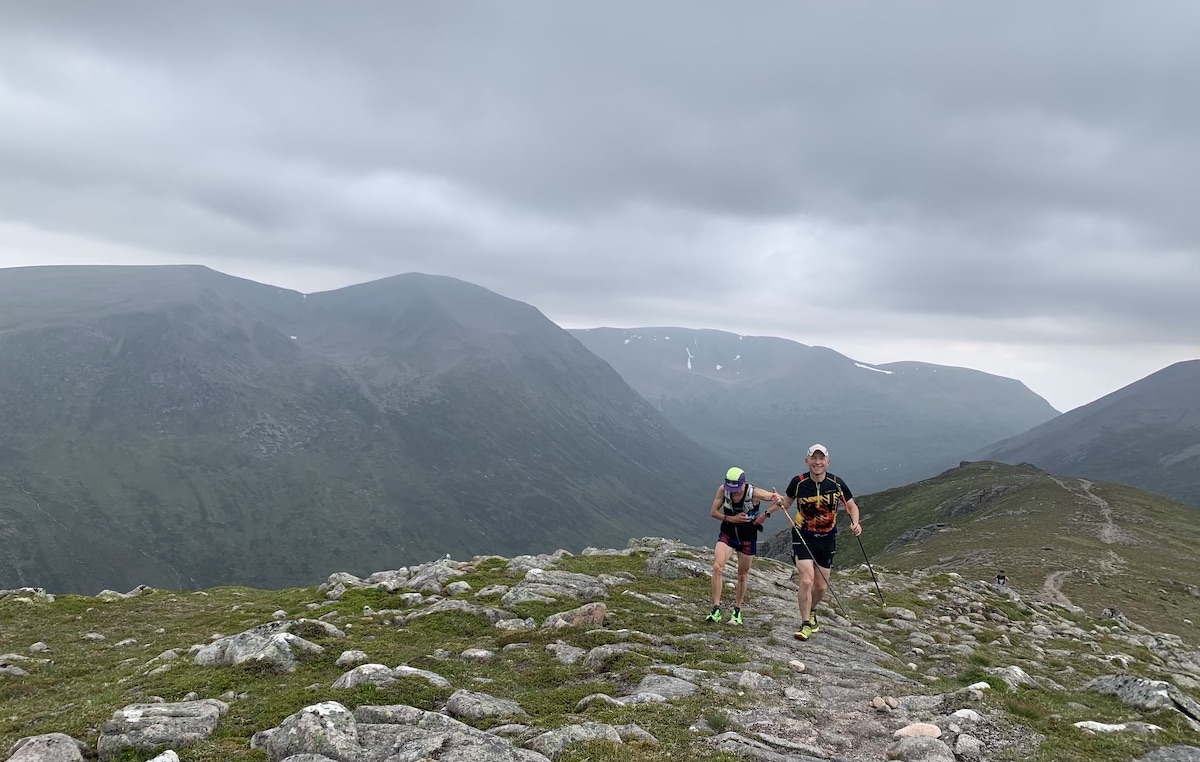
[856,528]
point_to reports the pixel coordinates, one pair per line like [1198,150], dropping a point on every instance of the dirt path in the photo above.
[1052,589]
[1110,534]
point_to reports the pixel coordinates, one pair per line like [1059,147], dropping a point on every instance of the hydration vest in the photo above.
[729,509]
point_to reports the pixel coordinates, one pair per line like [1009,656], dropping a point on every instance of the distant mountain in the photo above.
[1146,434]
[178,427]
[761,401]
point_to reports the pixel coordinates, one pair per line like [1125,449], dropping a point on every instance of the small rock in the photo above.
[351,657]
[918,729]
[478,654]
[968,747]
[457,588]
[968,715]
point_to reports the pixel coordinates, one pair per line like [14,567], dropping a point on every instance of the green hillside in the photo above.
[1094,545]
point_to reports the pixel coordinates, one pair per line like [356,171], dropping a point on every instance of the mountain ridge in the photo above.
[1146,434]
[201,436]
[765,399]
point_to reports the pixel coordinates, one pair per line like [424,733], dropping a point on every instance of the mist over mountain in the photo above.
[179,427]
[1146,434]
[761,401]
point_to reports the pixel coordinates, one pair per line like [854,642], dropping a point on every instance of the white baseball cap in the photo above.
[817,447]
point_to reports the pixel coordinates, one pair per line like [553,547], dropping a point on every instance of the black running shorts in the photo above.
[817,547]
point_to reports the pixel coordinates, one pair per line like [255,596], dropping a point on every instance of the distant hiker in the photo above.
[1001,580]
[736,506]
[816,494]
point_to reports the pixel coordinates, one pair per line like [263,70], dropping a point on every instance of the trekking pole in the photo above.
[872,568]
[868,560]
[816,565]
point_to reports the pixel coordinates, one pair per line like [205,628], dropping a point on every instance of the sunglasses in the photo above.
[733,484]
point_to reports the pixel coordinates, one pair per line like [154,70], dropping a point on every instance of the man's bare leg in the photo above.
[804,587]
[721,554]
[819,586]
[743,572]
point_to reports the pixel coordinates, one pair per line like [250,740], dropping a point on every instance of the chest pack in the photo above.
[747,505]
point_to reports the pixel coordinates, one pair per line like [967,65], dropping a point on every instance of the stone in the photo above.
[921,748]
[364,674]
[433,678]
[52,747]
[351,657]
[919,729]
[554,742]
[328,729]
[473,705]
[588,615]
[665,685]
[149,726]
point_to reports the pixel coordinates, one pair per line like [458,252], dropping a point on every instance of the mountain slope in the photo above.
[1093,545]
[1146,434]
[183,428]
[761,401]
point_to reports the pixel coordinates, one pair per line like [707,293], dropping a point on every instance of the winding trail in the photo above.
[1052,589]
[1110,534]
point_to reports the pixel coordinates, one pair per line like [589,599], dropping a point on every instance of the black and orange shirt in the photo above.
[817,502]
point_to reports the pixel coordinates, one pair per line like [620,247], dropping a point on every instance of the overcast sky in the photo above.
[1013,188]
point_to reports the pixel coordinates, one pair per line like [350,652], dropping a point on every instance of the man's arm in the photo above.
[716,512]
[718,501]
[852,509]
[761,494]
[773,497]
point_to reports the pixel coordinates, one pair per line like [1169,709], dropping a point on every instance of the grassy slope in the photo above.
[1142,563]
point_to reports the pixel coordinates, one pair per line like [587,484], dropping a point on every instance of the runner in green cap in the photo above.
[736,506]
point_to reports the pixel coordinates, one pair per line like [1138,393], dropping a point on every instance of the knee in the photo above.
[718,569]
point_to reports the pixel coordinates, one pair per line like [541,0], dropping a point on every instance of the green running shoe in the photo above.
[737,617]
[812,622]
[715,616]
[804,633]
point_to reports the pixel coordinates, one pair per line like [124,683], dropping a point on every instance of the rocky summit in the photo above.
[598,656]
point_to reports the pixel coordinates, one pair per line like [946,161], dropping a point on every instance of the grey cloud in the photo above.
[940,161]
